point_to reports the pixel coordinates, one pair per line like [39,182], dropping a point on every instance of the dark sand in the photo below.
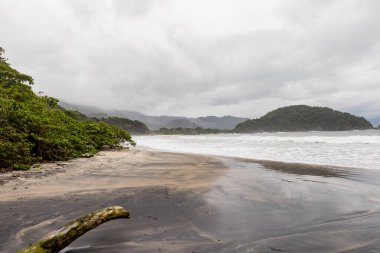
[188,203]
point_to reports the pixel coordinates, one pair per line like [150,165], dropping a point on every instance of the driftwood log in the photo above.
[62,237]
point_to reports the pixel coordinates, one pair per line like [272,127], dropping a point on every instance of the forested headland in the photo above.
[304,118]
[33,128]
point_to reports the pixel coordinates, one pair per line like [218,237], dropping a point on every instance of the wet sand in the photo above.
[190,203]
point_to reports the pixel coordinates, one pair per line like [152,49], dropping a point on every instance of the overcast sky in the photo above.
[199,57]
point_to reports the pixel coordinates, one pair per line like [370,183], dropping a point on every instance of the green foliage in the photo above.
[304,118]
[76,115]
[1,54]
[132,126]
[33,128]
[189,131]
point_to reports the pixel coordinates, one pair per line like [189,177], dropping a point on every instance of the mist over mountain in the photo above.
[182,123]
[375,121]
[157,122]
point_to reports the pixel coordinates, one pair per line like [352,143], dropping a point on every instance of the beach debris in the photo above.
[62,237]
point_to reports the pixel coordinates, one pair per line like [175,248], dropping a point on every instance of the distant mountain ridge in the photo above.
[157,122]
[304,118]
[132,126]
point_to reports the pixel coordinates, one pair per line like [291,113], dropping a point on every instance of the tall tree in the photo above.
[2,51]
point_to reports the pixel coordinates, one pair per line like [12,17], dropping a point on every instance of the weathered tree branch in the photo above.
[62,237]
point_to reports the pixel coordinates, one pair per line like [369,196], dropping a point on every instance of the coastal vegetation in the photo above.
[189,131]
[304,118]
[286,119]
[156,122]
[33,128]
[131,126]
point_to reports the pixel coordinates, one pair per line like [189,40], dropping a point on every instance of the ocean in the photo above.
[354,149]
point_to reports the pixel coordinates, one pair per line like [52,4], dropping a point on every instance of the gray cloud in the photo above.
[197,58]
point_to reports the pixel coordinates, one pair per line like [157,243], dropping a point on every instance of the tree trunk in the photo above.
[62,237]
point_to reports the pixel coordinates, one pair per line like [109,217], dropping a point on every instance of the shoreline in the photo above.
[185,202]
[314,165]
[291,167]
[20,180]
[113,169]
[355,150]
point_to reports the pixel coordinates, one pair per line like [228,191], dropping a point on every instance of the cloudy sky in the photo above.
[199,57]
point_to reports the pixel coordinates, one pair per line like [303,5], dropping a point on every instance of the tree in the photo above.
[2,51]
[34,128]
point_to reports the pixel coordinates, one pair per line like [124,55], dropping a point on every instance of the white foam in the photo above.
[360,149]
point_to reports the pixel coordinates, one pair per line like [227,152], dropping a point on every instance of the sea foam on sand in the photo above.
[359,149]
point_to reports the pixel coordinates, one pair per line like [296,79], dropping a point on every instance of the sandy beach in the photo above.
[193,203]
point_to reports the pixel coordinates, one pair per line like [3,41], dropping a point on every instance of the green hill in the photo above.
[304,118]
[132,126]
[34,128]
[189,131]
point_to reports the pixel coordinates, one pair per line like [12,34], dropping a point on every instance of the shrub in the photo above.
[34,128]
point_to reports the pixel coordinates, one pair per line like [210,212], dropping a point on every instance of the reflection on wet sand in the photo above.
[211,205]
[291,208]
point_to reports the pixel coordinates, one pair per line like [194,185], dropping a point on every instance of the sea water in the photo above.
[357,149]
